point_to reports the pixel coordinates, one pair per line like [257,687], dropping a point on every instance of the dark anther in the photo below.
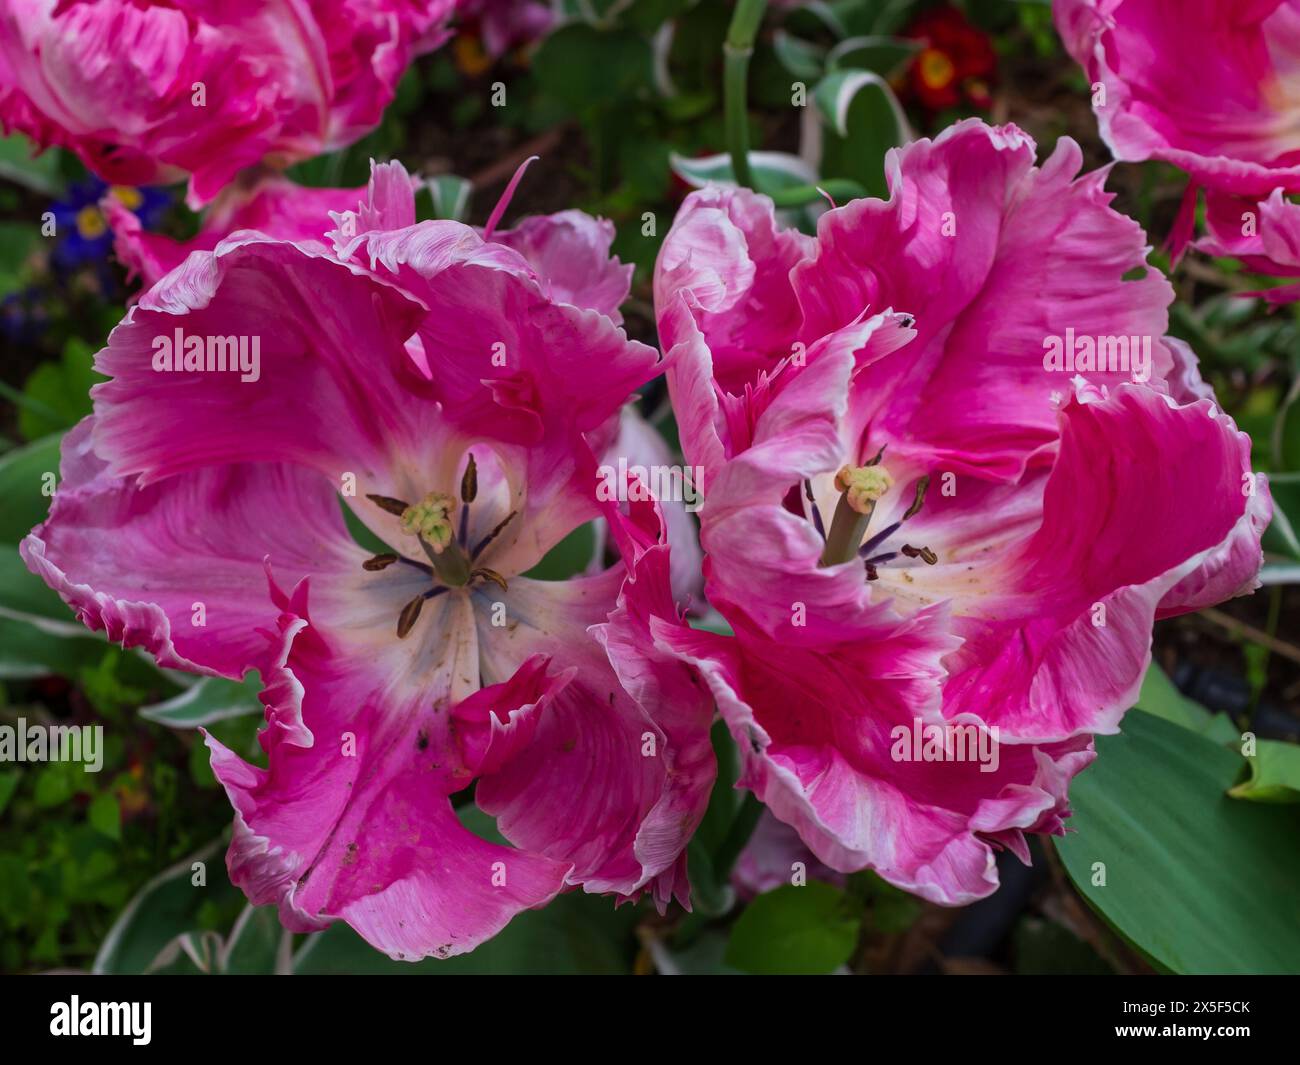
[491,575]
[407,618]
[379,562]
[871,572]
[923,553]
[816,514]
[919,499]
[879,455]
[388,503]
[469,481]
[478,547]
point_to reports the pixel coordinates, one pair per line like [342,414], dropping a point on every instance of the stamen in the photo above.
[410,614]
[923,553]
[875,560]
[388,503]
[921,485]
[816,513]
[478,547]
[469,481]
[871,572]
[491,575]
[379,562]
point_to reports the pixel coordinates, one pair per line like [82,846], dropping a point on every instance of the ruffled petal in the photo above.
[180,568]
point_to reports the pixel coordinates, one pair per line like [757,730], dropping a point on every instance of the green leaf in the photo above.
[25,597]
[864,121]
[39,173]
[570,556]
[1274,773]
[772,170]
[26,652]
[166,907]
[1200,883]
[886,56]
[208,700]
[23,477]
[59,392]
[450,196]
[105,816]
[1160,697]
[586,69]
[798,930]
[803,59]
[256,944]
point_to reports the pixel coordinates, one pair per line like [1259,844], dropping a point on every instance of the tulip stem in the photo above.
[736,51]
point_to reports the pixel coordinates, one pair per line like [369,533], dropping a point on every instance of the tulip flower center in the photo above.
[861,488]
[444,541]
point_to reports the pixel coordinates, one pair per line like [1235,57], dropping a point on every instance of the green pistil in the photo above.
[430,520]
[861,487]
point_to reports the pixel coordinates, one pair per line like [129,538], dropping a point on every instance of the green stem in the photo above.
[736,51]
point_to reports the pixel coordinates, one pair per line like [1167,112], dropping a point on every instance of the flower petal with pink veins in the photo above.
[993,256]
[570,253]
[1060,636]
[352,819]
[139,562]
[1210,87]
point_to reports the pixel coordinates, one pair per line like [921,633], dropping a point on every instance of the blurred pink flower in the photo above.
[150,93]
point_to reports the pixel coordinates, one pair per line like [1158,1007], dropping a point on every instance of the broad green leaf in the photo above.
[569,557]
[40,173]
[25,597]
[772,170]
[886,56]
[27,652]
[1199,882]
[1274,773]
[209,699]
[803,59]
[864,120]
[257,943]
[60,392]
[1160,697]
[797,930]
[450,196]
[836,93]
[24,474]
[166,907]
